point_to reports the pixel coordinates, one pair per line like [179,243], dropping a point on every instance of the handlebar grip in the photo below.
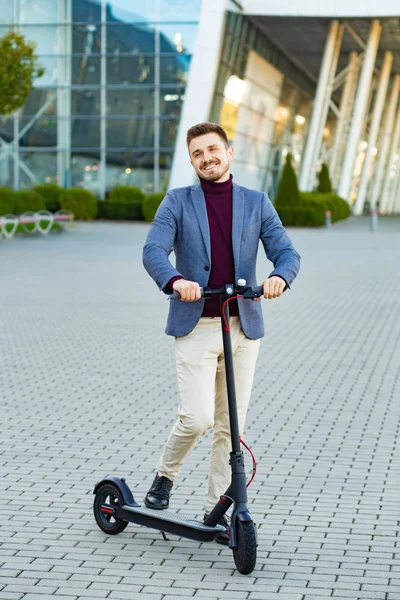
[177,295]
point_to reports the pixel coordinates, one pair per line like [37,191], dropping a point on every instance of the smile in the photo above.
[210,167]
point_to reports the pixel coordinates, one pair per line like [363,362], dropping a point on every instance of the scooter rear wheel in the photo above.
[108,496]
[245,553]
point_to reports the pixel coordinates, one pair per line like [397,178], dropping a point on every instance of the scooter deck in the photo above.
[169,522]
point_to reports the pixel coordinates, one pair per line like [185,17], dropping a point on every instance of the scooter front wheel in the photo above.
[245,553]
[107,497]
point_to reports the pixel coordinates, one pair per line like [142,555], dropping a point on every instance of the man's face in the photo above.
[210,157]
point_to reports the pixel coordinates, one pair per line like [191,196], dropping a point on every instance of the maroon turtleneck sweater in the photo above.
[219,210]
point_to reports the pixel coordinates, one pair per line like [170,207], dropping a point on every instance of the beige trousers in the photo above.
[203,399]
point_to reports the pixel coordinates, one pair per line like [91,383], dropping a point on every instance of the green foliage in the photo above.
[7,201]
[126,194]
[288,190]
[150,205]
[338,207]
[28,200]
[18,69]
[81,202]
[119,211]
[52,195]
[312,209]
[324,181]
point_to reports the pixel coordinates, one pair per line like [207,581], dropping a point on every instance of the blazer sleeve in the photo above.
[277,244]
[160,243]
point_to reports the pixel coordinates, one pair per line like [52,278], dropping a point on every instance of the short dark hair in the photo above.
[207,127]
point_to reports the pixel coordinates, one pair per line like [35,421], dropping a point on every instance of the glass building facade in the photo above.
[107,109]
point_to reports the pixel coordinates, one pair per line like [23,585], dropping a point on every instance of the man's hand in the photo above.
[189,290]
[273,287]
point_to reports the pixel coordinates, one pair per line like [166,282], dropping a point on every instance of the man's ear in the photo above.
[231,152]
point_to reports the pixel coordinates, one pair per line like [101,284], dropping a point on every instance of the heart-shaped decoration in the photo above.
[28,221]
[10,224]
[44,221]
[64,217]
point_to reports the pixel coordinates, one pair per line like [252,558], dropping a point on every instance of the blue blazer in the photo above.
[181,224]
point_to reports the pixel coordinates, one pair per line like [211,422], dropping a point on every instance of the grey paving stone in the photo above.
[322,423]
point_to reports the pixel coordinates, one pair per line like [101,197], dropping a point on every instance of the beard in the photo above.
[219,171]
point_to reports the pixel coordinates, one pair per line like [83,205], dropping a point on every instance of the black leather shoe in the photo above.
[223,537]
[158,495]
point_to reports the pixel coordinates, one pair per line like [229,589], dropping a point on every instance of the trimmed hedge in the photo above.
[81,202]
[312,209]
[7,201]
[126,194]
[28,200]
[151,204]
[52,195]
[119,211]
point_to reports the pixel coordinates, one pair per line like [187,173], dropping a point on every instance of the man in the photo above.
[214,228]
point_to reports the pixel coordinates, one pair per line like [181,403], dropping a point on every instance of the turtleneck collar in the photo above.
[216,189]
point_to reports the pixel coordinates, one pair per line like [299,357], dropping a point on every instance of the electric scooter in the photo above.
[114,505]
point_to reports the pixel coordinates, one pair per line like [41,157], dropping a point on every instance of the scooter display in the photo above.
[114,506]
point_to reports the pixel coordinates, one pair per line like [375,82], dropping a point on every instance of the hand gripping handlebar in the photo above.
[240,290]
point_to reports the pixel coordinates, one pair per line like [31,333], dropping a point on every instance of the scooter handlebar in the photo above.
[247,292]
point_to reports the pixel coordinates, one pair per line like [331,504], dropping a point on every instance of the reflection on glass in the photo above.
[49,78]
[131,12]
[41,132]
[174,69]
[130,168]
[38,100]
[7,13]
[171,100]
[86,70]
[85,133]
[37,11]
[132,133]
[128,70]
[38,167]
[165,169]
[85,171]
[130,102]
[179,10]
[85,102]
[178,38]
[131,39]
[45,37]
[86,11]
[86,39]
[168,132]
[6,129]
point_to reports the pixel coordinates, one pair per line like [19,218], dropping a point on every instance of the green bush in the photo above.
[338,207]
[28,200]
[7,201]
[324,181]
[311,216]
[129,195]
[52,195]
[81,202]
[119,211]
[150,205]
[288,190]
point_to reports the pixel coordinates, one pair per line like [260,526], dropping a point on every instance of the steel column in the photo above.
[374,129]
[64,93]
[307,165]
[103,102]
[384,146]
[388,181]
[359,110]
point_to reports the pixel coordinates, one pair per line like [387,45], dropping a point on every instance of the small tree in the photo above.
[18,69]
[288,191]
[324,181]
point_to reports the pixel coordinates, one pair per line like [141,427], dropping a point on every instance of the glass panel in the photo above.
[86,70]
[174,69]
[37,167]
[6,129]
[45,37]
[168,132]
[85,133]
[38,11]
[41,132]
[85,102]
[179,10]
[85,171]
[165,169]
[130,102]
[86,12]
[130,168]
[7,13]
[135,132]
[86,39]
[178,38]
[6,168]
[130,39]
[49,64]
[37,99]
[121,10]
[128,70]
[171,100]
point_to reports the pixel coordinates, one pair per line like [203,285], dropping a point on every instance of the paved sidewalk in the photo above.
[88,388]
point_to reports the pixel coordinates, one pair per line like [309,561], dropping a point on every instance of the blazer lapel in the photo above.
[237,222]
[199,204]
